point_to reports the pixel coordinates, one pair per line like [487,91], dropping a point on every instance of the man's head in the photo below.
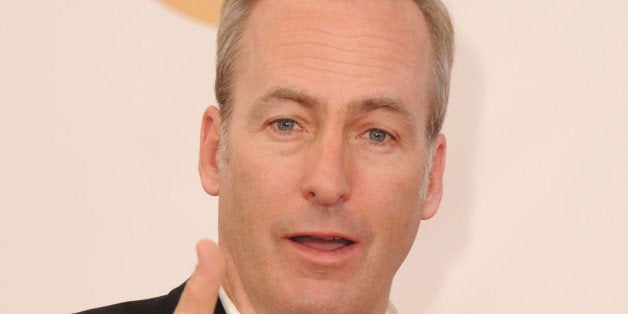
[233,21]
[330,107]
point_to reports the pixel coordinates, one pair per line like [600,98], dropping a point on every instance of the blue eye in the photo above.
[377,135]
[285,125]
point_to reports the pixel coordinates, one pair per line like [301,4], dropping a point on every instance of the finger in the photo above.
[201,290]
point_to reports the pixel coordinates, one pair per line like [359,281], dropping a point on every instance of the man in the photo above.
[326,154]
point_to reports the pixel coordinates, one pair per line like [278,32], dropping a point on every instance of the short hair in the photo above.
[233,18]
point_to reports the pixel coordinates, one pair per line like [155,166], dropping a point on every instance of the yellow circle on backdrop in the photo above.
[205,11]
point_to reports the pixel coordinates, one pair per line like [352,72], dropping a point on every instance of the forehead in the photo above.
[337,49]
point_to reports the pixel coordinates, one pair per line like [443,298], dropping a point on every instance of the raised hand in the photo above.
[201,290]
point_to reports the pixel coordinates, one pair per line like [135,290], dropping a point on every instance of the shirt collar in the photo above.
[226,302]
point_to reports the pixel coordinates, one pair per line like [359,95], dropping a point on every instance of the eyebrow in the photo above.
[283,94]
[392,105]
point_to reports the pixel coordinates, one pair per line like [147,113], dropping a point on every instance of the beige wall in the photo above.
[100,105]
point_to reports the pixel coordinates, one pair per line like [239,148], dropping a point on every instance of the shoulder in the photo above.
[159,305]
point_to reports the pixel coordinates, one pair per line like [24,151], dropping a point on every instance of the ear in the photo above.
[210,139]
[435,190]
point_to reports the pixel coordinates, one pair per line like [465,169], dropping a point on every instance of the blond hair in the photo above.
[233,20]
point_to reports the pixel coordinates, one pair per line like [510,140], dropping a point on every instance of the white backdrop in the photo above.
[100,202]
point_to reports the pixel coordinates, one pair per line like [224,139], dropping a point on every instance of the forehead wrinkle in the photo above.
[347,63]
[283,94]
[335,50]
[358,43]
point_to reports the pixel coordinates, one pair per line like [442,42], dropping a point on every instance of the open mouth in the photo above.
[322,243]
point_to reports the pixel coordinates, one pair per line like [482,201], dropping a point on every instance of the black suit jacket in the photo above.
[160,305]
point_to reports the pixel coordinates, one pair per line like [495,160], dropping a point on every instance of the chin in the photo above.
[313,304]
[324,296]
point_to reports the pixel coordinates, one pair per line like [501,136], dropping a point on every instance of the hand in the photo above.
[201,290]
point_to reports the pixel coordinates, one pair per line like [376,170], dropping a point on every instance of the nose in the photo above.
[325,180]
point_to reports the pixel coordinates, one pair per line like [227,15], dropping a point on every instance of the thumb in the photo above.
[201,290]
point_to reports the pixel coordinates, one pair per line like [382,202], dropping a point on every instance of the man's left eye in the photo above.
[285,124]
[377,135]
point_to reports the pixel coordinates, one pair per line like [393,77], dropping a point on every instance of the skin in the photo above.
[327,138]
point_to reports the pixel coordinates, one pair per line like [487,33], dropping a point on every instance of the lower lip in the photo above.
[334,258]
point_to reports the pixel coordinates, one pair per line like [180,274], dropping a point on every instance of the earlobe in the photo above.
[435,189]
[208,153]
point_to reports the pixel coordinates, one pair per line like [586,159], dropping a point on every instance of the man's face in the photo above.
[320,200]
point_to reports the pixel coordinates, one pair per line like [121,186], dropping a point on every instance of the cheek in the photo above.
[390,179]
[255,186]
[393,199]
